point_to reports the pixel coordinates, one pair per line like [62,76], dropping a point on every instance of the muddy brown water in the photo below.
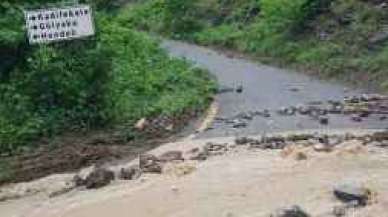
[266,87]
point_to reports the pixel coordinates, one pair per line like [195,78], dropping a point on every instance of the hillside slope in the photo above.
[343,39]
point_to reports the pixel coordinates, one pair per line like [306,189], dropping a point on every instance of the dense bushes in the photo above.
[341,39]
[175,18]
[111,79]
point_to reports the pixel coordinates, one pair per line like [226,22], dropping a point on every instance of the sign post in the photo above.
[58,24]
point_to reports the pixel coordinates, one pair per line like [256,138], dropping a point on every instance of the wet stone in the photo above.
[213,149]
[149,164]
[299,137]
[78,180]
[380,136]
[365,114]
[240,124]
[194,150]
[324,120]
[200,156]
[98,178]
[294,211]
[239,89]
[352,193]
[242,141]
[294,89]
[322,148]
[300,156]
[245,116]
[302,110]
[222,90]
[336,109]
[356,118]
[339,211]
[287,111]
[130,173]
[383,144]
[264,113]
[171,156]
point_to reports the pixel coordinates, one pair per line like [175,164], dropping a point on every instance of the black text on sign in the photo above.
[49,25]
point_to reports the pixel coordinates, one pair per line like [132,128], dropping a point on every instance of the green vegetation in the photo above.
[343,39]
[109,80]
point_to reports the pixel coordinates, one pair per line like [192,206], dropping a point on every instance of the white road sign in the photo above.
[58,24]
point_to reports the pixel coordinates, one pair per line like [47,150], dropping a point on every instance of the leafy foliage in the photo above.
[108,80]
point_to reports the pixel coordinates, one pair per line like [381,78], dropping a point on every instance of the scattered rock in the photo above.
[322,148]
[375,144]
[174,188]
[287,111]
[240,124]
[294,89]
[351,192]
[200,156]
[80,178]
[380,136]
[239,89]
[140,124]
[303,110]
[299,156]
[306,143]
[216,149]
[339,211]
[149,164]
[171,156]
[365,114]
[324,120]
[264,113]
[98,178]
[61,191]
[294,211]
[242,141]
[169,127]
[245,115]
[299,137]
[383,144]
[356,118]
[78,181]
[222,90]
[179,169]
[193,150]
[353,147]
[130,173]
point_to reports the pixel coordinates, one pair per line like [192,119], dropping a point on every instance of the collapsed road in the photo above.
[255,99]
[226,170]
